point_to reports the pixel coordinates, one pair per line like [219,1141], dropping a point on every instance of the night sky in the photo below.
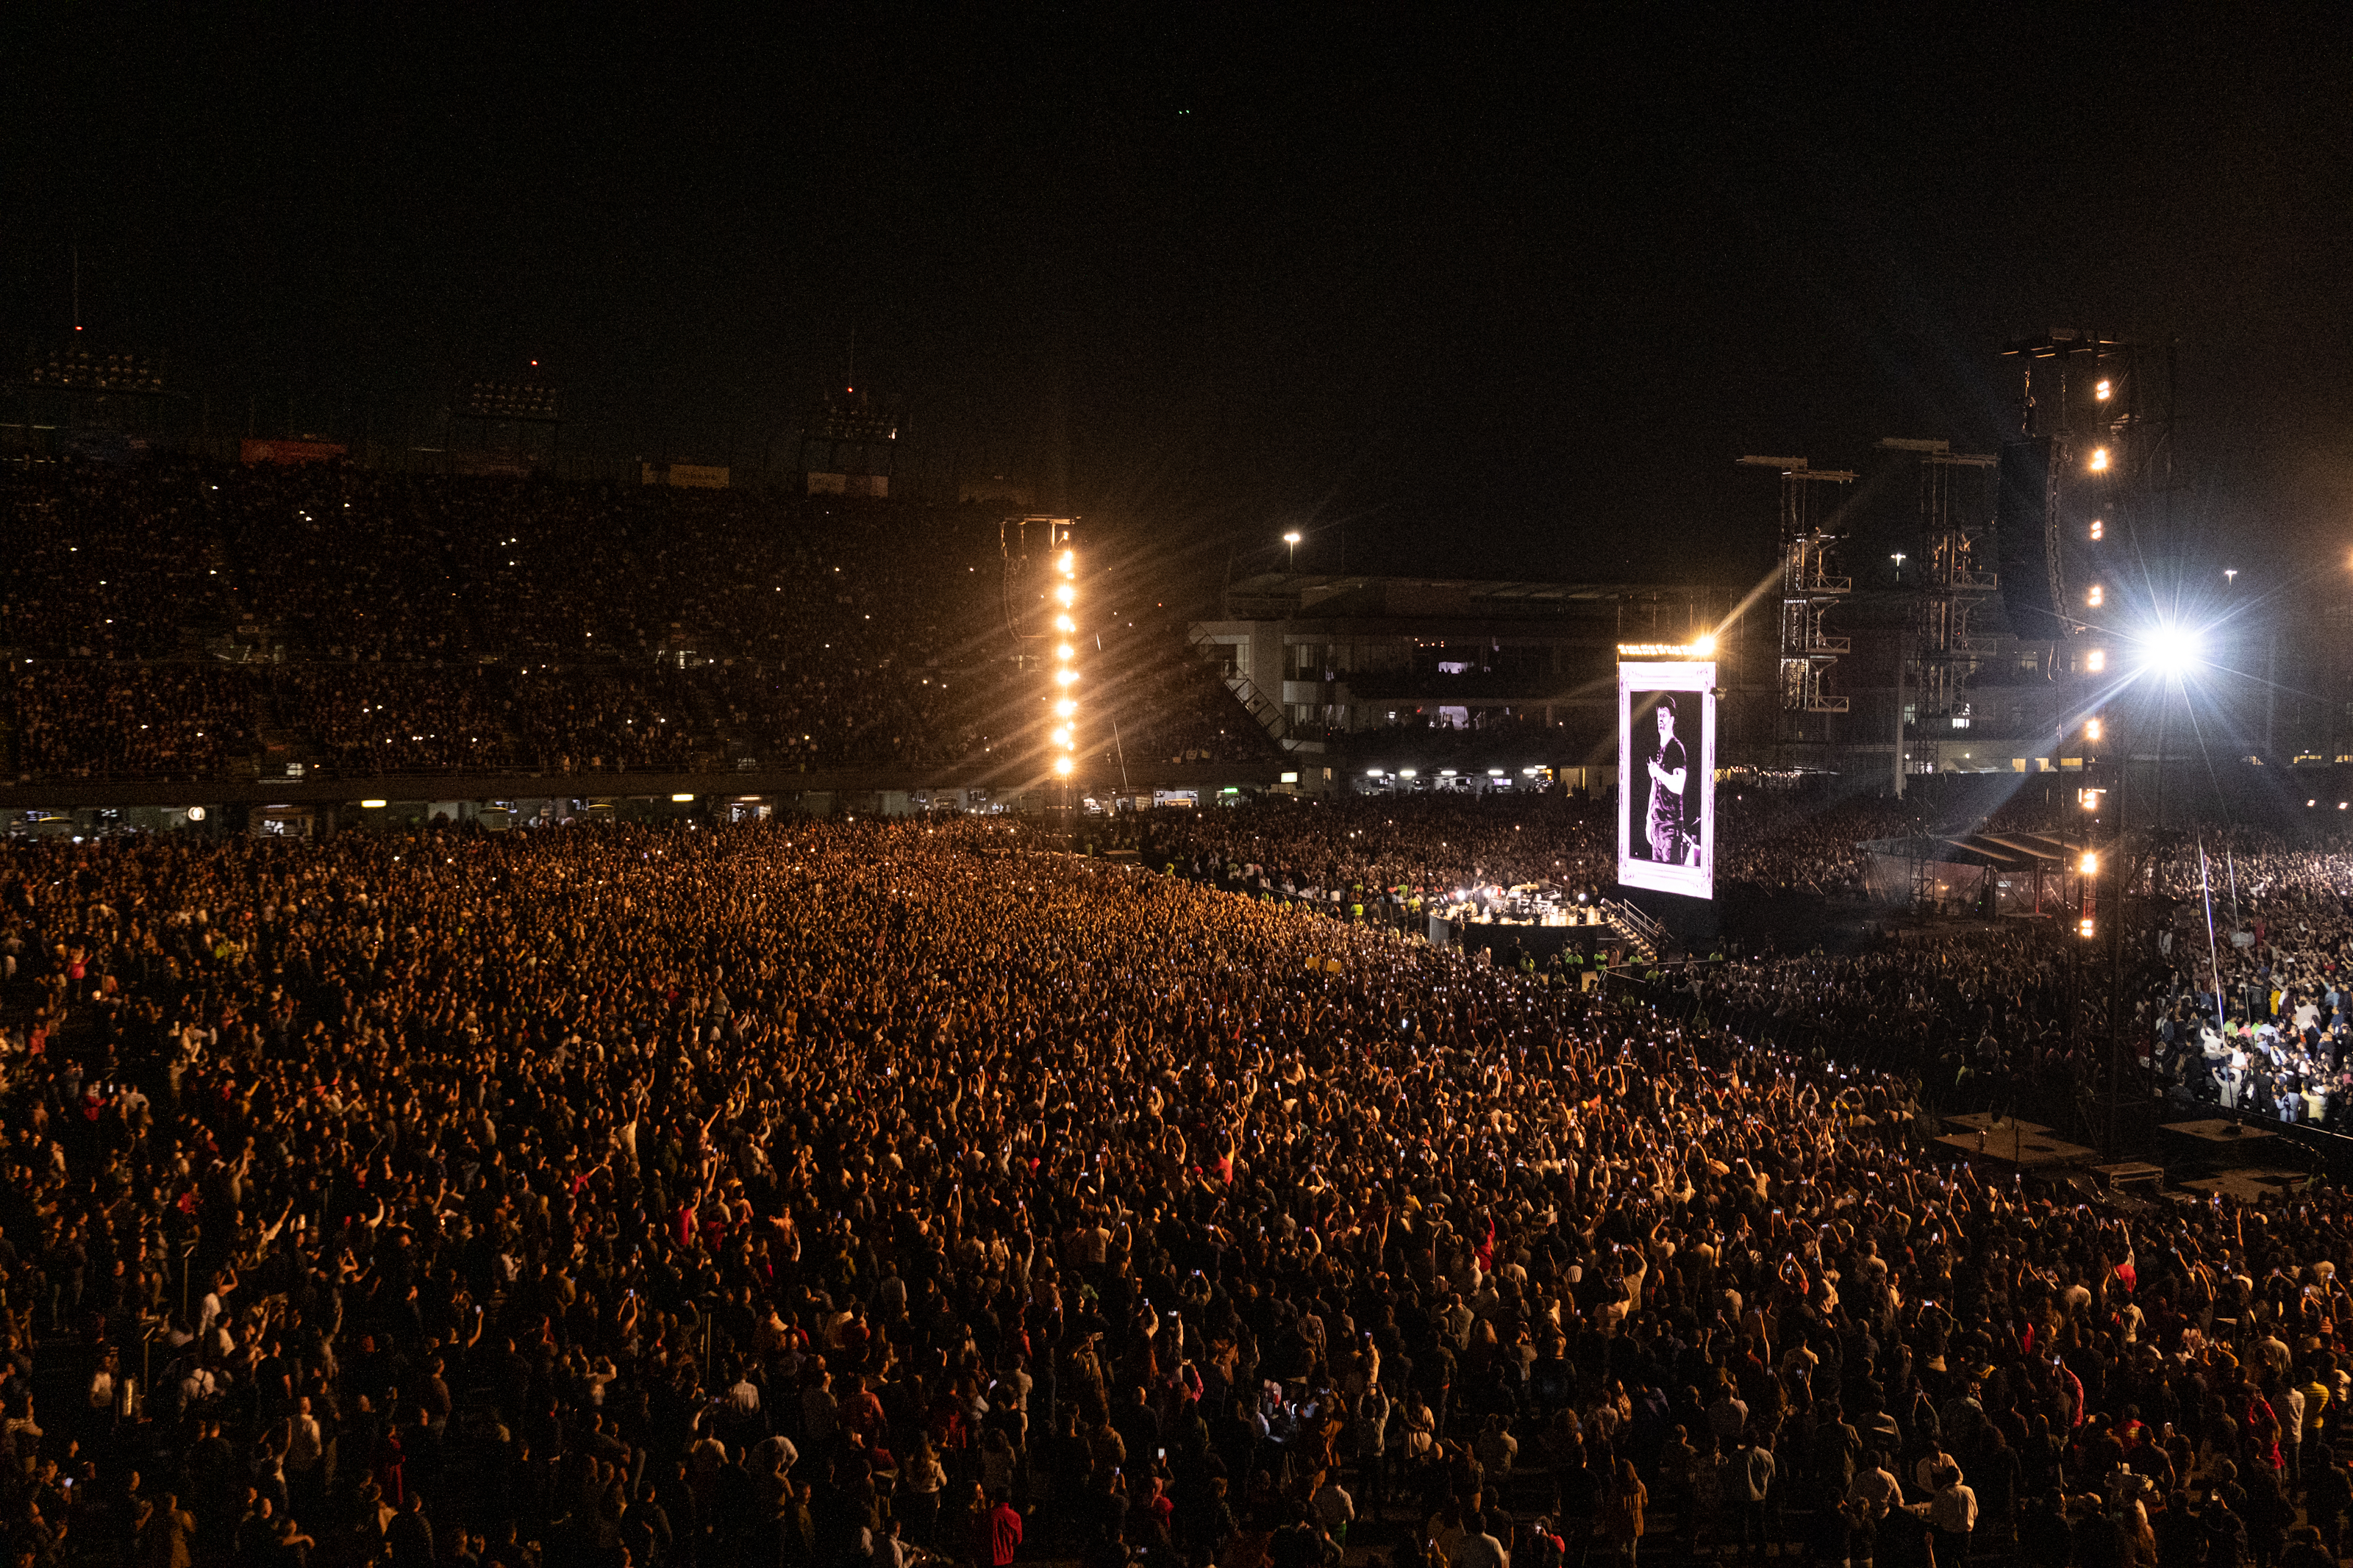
[1499,300]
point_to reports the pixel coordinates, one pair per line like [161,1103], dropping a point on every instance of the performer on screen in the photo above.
[1668,771]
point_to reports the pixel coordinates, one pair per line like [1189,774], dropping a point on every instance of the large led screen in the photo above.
[1666,776]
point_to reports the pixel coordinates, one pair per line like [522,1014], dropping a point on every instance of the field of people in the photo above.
[822,1192]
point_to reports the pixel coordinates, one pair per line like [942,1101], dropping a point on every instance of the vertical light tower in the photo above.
[1064,696]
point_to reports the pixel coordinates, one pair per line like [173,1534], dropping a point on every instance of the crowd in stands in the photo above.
[371,622]
[1513,835]
[1788,842]
[377,718]
[823,1194]
[108,720]
[1424,844]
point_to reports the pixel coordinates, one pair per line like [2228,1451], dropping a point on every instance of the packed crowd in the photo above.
[407,623]
[820,1194]
[2262,1018]
[2256,1017]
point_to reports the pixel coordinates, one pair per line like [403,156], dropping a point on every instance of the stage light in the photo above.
[2101,392]
[1070,562]
[2099,531]
[2091,864]
[1065,708]
[1064,596]
[1064,651]
[1066,676]
[2093,596]
[1063,736]
[1703,645]
[2086,929]
[1064,624]
[2099,459]
[2090,728]
[2095,660]
[1063,766]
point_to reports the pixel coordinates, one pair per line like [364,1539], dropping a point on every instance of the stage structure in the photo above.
[1945,638]
[1666,767]
[1807,590]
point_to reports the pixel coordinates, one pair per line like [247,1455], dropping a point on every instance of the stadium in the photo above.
[696,962]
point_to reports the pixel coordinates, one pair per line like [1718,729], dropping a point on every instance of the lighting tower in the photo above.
[1064,694]
[1807,590]
[2099,427]
[1958,579]
[1045,627]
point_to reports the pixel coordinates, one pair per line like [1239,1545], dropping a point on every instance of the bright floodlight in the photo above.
[2171,652]
[1062,765]
[2099,459]
[1704,644]
[1291,538]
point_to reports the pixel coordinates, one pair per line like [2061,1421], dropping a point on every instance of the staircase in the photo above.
[1262,708]
[1643,934]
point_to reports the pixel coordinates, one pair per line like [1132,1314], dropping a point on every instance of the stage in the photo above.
[2015,1144]
[1538,942]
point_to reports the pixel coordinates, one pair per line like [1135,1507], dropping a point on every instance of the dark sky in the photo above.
[1502,300]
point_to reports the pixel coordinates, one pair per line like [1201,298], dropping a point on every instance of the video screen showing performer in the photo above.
[1666,775]
[1668,829]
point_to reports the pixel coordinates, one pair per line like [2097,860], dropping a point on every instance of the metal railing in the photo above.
[1645,933]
